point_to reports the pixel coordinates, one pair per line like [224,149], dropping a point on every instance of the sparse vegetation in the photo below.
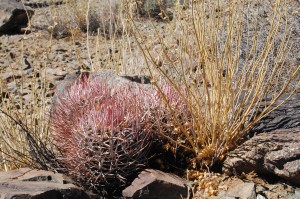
[25,139]
[95,17]
[211,62]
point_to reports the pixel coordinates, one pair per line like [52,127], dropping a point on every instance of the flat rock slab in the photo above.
[13,16]
[239,189]
[156,184]
[276,152]
[42,3]
[38,184]
[284,117]
[243,191]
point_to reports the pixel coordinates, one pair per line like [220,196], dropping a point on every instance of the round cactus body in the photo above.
[103,133]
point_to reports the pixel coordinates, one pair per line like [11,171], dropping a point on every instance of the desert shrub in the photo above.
[222,66]
[102,133]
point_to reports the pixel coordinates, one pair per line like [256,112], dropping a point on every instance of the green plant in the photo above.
[220,87]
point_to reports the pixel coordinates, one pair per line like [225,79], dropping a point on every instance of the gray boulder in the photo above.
[13,16]
[113,79]
[275,145]
[284,117]
[243,191]
[276,153]
[239,189]
[38,184]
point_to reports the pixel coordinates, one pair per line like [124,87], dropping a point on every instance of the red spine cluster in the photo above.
[103,134]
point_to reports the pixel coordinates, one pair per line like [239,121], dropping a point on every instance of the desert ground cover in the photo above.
[220,59]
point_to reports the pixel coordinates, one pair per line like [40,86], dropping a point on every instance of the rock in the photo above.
[260,189]
[58,71]
[138,79]
[157,184]
[40,4]
[280,190]
[285,116]
[60,48]
[235,188]
[243,191]
[38,184]
[260,197]
[13,16]
[276,152]
[222,195]
[11,76]
[133,82]
[297,194]
[26,64]
[12,86]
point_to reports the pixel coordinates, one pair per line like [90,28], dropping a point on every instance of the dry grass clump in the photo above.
[93,16]
[220,86]
[208,182]
[24,125]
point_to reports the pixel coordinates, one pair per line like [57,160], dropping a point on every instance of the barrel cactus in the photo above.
[103,133]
